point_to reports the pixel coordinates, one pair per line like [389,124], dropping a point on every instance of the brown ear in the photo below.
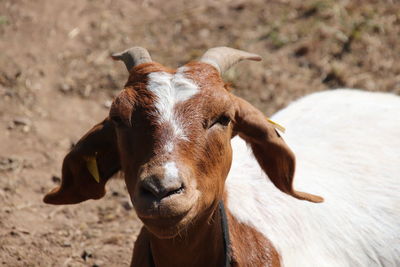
[271,152]
[78,184]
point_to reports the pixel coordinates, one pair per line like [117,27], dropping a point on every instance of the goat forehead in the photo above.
[169,90]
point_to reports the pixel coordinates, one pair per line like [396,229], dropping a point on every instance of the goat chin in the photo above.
[347,146]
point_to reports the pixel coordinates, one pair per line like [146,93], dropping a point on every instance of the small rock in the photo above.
[24,121]
[25,232]
[13,233]
[239,7]
[301,51]
[85,255]
[127,205]
[87,90]
[26,128]
[65,245]
[65,88]
[56,179]
[107,104]
[11,125]
[9,164]
[73,33]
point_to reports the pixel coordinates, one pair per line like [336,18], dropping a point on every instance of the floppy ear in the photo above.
[79,170]
[274,156]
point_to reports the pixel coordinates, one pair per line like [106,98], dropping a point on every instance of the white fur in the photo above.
[347,145]
[171,89]
[169,146]
[171,171]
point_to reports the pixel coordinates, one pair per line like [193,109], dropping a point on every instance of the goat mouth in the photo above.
[173,206]
[168,225]
[167,217]
[177,191]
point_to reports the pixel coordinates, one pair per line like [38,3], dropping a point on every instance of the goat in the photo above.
[172,133]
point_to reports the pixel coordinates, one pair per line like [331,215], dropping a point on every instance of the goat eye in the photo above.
[222,120]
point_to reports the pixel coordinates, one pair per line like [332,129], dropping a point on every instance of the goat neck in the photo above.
[201,244]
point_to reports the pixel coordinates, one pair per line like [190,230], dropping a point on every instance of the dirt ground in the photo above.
[57,80]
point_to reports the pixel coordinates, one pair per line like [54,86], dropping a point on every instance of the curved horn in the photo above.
[223,58]
[133,56]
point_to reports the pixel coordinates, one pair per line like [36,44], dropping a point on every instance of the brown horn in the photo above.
[133,56]
[222,58]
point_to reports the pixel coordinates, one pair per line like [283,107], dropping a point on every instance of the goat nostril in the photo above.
[148,189]
[158,190]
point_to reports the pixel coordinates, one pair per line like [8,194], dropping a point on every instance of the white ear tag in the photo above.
[276,125]
[91,164]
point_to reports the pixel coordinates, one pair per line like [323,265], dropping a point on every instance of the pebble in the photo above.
[56,179]
[65,88]
[22,121]
[127,205]
[107,104]
[9,164]
[85,255]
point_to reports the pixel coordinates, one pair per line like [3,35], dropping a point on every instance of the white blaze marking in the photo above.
[171,171]
[169,146]
[171,89]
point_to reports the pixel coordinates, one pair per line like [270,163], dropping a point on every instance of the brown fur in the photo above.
[249,247]
[77,183]
[185,231]
[201,245]
[271,152]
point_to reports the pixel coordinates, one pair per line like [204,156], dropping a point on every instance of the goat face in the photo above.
[173,130]
[169,131]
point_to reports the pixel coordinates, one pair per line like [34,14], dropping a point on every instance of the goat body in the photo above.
[172,133]
[347,144]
